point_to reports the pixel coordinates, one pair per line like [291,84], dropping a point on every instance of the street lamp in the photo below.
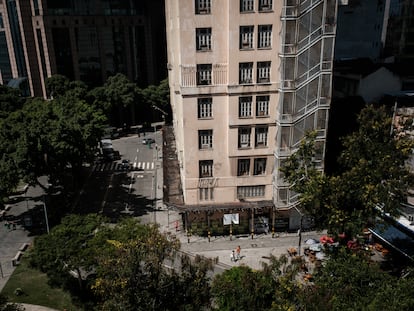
[46,218]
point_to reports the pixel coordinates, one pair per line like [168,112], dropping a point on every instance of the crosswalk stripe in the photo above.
[115,166]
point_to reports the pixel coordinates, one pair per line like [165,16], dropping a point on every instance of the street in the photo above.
[114,191]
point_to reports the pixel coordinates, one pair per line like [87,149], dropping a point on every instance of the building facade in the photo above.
[370,18]
[248,78]
[87,40]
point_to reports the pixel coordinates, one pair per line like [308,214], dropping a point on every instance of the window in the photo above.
[263,72]
[244,137]
[262,106]
[203,6]
[250,191]
[204,74]
[206,168]
[261,136]
[245,73]
[265,36]
[243,167]
[265,5]
[203,39]
[246,5]
[205,108]
[245,107]
[206,194]
[205,139]
[246,37]
[259,166]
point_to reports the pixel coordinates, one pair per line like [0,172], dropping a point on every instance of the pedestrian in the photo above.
[238,250]
[176,226]
[14,226]
[232,257]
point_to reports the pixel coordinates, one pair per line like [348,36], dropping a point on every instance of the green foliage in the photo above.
[307,179]
[45,137]
[120,91]
[57,85]
[10,100]
[67,248]
[5,305]
[241,288]
[131,274]
[374,173]
[158,95]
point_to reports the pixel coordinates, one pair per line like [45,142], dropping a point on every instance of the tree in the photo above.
[374,177]
[301,170]
[67,250]
[241,288]
[10,100]
[57,85]
[351,281]
[157,96]
[7,306]
[47,137]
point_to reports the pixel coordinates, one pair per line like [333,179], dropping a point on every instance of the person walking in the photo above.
[238,250]
[232,257]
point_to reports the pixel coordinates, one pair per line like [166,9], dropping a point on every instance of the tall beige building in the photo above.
[248,78]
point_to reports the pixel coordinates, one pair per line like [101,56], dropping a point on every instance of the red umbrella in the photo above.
[326,239]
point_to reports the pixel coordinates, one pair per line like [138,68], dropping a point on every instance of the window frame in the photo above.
[265,5]
[205,139]
[246,73]
[203,39]
[262,105]
[205,168]
[204,74]
[263,71]
[205,108]
[246,37]
[246,6]
[264,36]
[261,136]
[244,137]
[259,166]
[251,191]
[245,107]
[243,167]
[202,6]
[206,194]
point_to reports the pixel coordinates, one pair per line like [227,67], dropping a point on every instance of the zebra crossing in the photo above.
[116,166]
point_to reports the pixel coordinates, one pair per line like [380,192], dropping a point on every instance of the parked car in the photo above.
[148,141]
[125,164]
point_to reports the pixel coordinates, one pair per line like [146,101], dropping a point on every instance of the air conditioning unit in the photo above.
[205,146]
[261,113]
[244,145]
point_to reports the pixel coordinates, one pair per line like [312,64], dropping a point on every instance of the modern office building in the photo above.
[86,40]
[362,29]
[248,79]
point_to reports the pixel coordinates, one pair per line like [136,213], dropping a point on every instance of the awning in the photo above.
[399,239]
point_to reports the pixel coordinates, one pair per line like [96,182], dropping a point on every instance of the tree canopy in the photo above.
[374,178]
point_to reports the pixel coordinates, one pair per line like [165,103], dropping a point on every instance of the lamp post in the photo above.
[46,218]
[25,196]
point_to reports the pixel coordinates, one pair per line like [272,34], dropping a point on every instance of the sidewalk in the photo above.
[253,251]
